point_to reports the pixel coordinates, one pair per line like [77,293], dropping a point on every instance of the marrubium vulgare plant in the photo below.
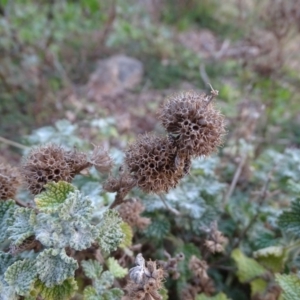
[55,241]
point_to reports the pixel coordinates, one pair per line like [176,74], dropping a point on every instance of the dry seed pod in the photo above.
[130,212]
[193,122]
[152,162]
[101,160]
[9,181]
[145,280]
[51,163]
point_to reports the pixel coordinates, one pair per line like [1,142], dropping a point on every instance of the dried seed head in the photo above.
[145,280]
[101,160]
[45,164]
[77,161]
[170,266]
[51,163]
[152,162]
[130,212]
[194,123]
[9,181]
[198,267]
[121,185]
[215,241]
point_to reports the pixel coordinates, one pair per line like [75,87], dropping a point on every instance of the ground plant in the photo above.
[149,150]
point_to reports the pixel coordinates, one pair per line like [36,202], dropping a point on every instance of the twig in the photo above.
[21,203]
[171,209]
[12,143]
[235,179]
[203,74]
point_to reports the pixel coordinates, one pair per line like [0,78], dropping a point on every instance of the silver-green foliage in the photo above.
[102,281]
[62,218]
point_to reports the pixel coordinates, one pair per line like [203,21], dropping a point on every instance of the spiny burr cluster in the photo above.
[193,122]
[195,128]
[145,281]
[53,163]
[152,161]
[9,181]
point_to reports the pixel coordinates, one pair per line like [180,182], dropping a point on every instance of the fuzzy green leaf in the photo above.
[109,229]
[7,209]
[92,268]
[112,294]
[7,292]
[63,291]
[248,268]
[52,231]
[52,198]
[104,282]
[76,207]
[81,235]
[290,220]
[54,266]
[90,293]
[128,235]
[272,258]
[220,296]
[290,285]
[115,269]
[22,227]
[6,260]
[21,276]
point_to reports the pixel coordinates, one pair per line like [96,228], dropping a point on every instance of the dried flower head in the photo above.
[9,181]
[154,163]
[145,280]
[198,267]
[201,283]
[101,160]
[51,163]
[170,266]
[130,212]
[194,122]
[77,161]
[215,241]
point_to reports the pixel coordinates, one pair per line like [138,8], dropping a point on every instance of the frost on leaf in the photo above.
[102,282]
[54,266]
[22,227]
[76,207]
[92,268]
[52,198]
[109,229]
[70,226]
[6,291]
[50,232]
[63,291]
[115,269]
[81,235]
[6,218]
[21,276]
[290,285]
[290,220]
[5,261]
